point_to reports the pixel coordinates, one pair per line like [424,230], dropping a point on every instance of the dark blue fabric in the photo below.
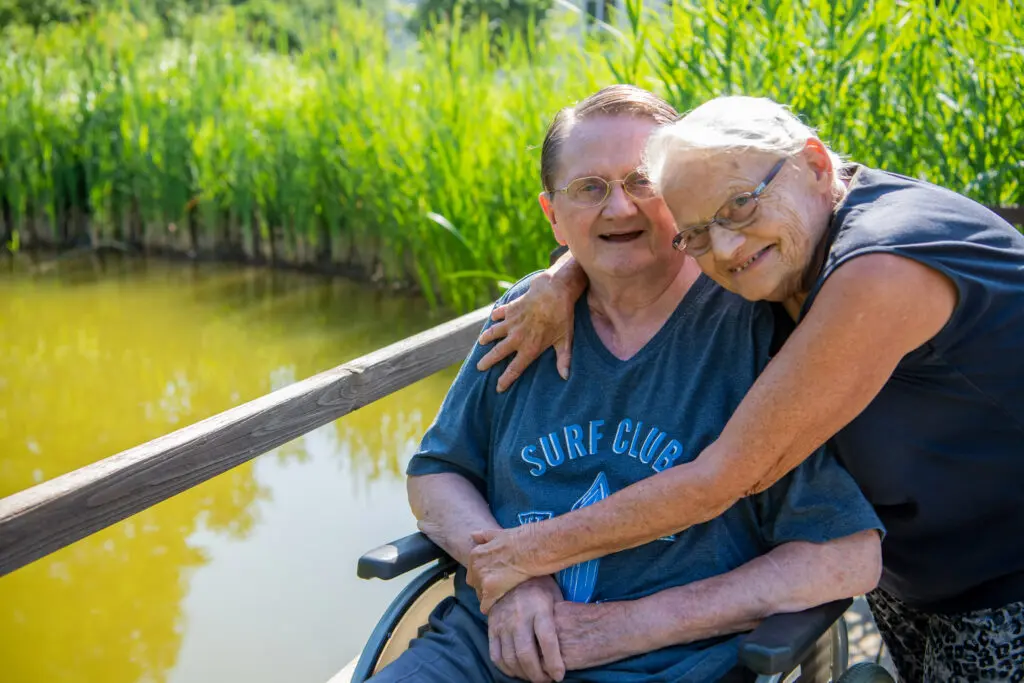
[547,446]
[940,451]
[455,650]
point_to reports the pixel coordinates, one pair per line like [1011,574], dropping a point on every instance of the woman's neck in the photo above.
[795,303]
[627,313]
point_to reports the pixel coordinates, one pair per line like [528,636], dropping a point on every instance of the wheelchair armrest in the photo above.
[782,641]
[395,558]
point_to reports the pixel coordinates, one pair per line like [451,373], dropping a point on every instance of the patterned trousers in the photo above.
[973,647]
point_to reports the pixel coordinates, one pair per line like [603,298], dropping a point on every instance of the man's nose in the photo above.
[619,203]
[726,244]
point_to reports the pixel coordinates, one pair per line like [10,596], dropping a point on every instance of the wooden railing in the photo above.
[47,517]
[1014,215]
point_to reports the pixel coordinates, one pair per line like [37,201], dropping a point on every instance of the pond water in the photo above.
[250,576]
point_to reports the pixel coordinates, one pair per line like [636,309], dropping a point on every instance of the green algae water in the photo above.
[250,576]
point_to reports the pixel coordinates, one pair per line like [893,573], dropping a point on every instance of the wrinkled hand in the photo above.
[593,634]
[521,632]
[494,568]
[540,318]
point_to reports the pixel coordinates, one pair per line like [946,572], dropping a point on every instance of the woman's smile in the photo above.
[750,261]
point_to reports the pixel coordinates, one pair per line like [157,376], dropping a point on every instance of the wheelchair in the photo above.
[805,647]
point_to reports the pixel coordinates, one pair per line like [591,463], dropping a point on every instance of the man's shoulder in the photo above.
[519,288]
[721,309]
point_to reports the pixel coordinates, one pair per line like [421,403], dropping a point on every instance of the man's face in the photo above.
[624,235]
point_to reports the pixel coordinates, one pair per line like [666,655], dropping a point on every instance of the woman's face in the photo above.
[766,259]
[625,235]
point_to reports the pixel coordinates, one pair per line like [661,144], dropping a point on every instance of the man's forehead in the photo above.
[605,142]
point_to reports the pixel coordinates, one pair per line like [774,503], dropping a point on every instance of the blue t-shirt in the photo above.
[940,450]
[548,446]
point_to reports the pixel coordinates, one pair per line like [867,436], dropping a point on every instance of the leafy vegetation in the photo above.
[326,144]
[504,17]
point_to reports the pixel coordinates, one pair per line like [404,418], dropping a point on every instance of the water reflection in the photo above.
[252,568]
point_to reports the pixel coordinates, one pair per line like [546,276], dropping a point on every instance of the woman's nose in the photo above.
[726,244]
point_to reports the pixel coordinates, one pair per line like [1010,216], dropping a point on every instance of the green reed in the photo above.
[419,164]
[924,88]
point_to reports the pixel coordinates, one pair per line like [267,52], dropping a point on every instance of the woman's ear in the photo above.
[819,162]
[548,206]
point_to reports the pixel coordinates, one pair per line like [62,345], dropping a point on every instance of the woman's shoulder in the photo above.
[892,215]
[886,209]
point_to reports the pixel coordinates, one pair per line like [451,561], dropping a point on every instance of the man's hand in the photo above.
[595,634]
[494,568]
[521,632]
[540,318]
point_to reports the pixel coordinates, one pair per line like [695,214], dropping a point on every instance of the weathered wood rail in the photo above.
[56,513]
[1014,215]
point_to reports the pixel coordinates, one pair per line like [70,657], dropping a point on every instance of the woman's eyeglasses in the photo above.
[737,213]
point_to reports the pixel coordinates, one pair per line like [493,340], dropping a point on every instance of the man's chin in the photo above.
[626,267]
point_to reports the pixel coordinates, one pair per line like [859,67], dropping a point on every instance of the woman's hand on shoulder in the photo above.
[527,326]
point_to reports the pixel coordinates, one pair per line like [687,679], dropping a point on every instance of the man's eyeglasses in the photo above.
[737,213]
[593,191]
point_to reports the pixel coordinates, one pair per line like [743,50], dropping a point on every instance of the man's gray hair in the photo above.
[733,124]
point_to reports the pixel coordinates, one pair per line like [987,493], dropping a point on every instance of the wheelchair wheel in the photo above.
[826,661]
[865,672]
[405,619]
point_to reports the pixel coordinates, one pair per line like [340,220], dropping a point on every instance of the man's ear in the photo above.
[549,212]
[818,161]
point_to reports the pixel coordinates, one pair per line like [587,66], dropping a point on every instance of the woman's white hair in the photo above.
[733,124]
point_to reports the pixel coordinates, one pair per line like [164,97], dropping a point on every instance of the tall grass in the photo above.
[931,89]
[421,166]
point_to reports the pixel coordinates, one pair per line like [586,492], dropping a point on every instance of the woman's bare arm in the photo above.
[792,577]
[869,314]
[540,318]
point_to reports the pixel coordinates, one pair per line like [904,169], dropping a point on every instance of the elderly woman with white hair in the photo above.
[908,302]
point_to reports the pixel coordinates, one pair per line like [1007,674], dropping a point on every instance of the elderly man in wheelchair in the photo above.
[661,358]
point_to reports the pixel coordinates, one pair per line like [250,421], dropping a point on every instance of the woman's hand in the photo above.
[521,632]
[540,318]
[494,568]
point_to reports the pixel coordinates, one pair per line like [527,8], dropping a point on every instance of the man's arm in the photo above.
[448,509]
[868,315]
[790,578]
[521,630]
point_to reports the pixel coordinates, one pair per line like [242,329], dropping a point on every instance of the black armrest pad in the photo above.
[783,640]
[395,558]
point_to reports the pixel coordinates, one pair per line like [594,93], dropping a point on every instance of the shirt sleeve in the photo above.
[816,502]
[459,439]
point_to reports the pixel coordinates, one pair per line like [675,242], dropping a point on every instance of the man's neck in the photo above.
[627,313]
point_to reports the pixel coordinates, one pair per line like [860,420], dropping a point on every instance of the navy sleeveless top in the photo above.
[940,451]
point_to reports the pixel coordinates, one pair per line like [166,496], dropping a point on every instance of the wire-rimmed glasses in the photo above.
[737,213]
[593,191]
